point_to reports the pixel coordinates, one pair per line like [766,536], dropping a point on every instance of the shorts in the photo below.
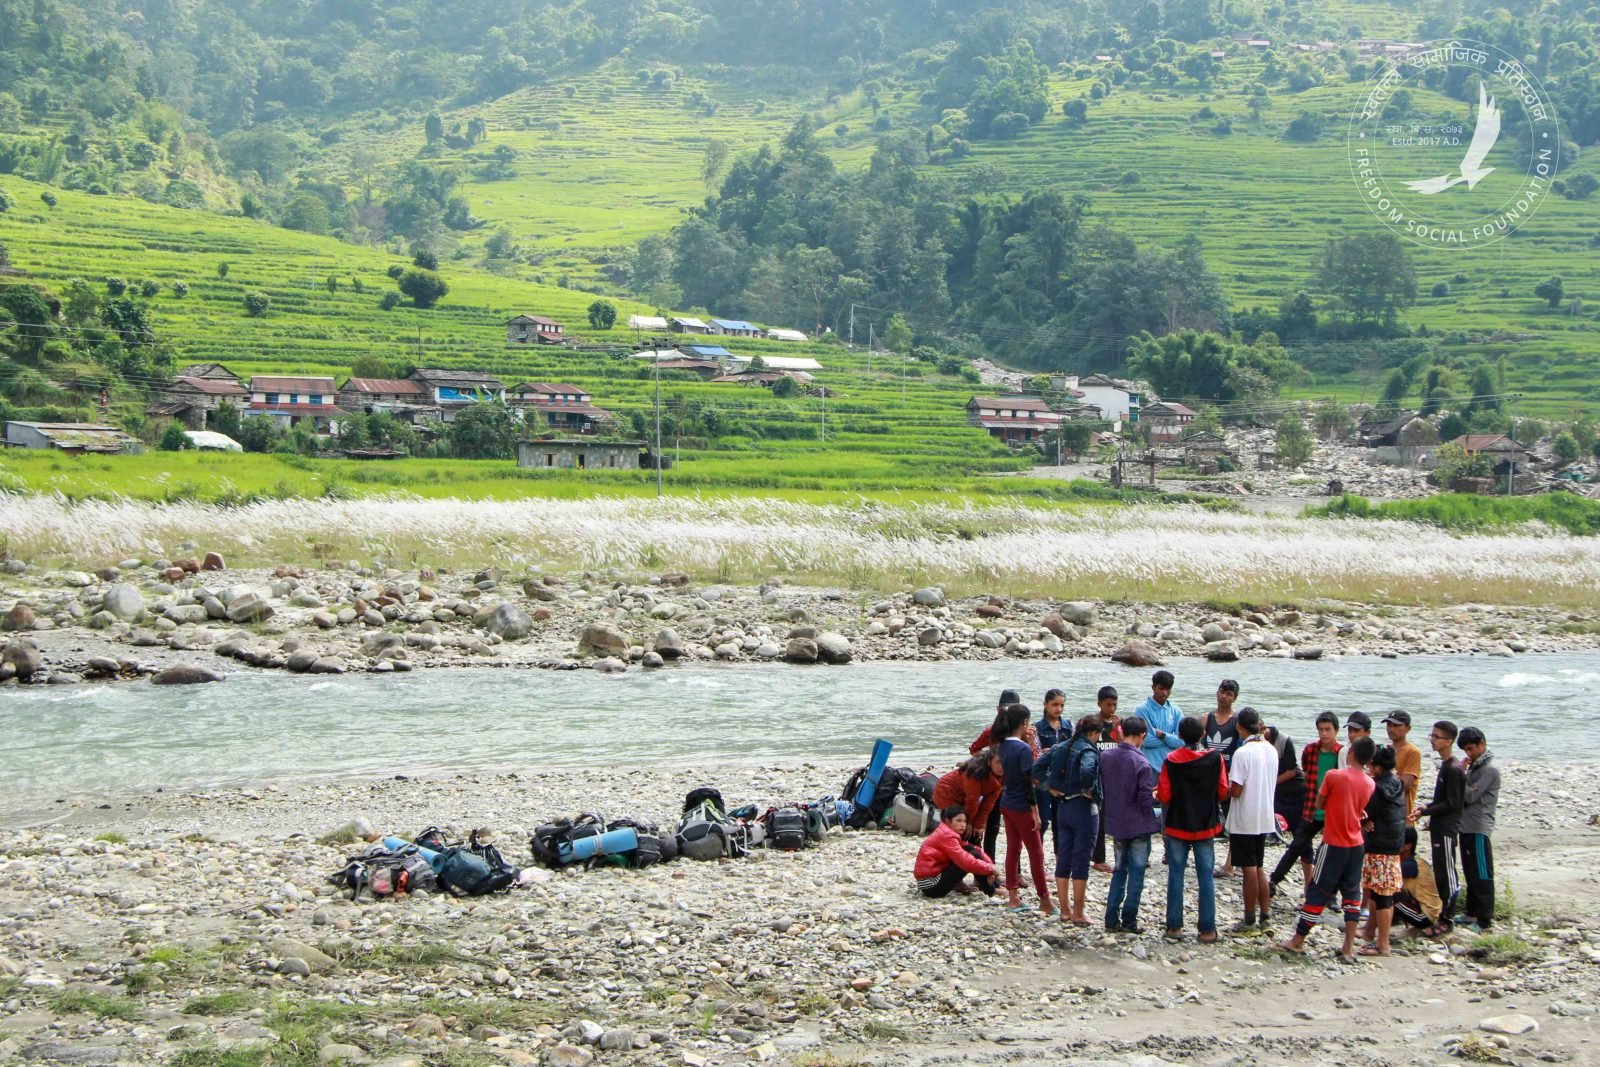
[1381,874]
[1249,850]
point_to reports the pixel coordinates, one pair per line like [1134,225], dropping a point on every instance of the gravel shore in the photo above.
[198,928]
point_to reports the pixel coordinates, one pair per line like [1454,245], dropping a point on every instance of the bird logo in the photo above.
[1473,171]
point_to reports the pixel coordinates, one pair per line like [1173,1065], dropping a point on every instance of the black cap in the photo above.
[1359,718]
[1009,696]
[1402,718]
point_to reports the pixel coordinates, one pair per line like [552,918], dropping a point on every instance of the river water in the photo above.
[122,738]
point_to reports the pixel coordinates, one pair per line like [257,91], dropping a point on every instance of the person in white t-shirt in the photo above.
[1251,817]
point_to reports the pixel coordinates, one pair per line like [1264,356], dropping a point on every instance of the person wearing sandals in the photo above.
[1342,798]
[1443,813]
[1019,808]
[1074,783]
[1192,784]
[1128,789]
[991,736]
[1253,782]
[1384,835]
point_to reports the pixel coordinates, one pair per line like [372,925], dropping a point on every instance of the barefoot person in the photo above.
[946,858]
[1019,810]
[1383,836]
[1253,782]
[1128,785]
[1074,783]
[1337,873]
[1191,787]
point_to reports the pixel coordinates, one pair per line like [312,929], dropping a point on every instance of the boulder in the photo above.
[77,579]
[929,636]
[599,639]
[125,602]
[929,597]
[801,650]
[1137,654]
[249,607]
[1079,613]
[834,648]
[668,644]
[1057,625]
[379,641]
[509,622]
[536,590]
[326,665]
[990,639]
[1212,632]
[653,659]
[101,620]
[609,665]
[990,611]
[213,562]
[20,617]
[1308,652]
[301,660]
[768,650]
[1221,651]
[23,657]
[1511,1025]
[184,674]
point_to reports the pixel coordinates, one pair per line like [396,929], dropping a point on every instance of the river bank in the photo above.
[152,926]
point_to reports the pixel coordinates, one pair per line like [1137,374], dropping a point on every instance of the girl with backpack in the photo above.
[1019,808]
[1074,782]
[945,859]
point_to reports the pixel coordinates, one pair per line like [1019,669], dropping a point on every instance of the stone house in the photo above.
[1012,419]
[74,437]
[534,329]
[192,400]
[566,408]
[571,453]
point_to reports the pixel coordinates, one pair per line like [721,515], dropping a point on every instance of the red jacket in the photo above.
[977,795]
[944,847]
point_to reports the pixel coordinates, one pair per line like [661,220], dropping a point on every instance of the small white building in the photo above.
[785,335]
[1117,400]
[647,322]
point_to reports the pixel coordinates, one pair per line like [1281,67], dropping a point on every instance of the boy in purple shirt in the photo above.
[1128,785]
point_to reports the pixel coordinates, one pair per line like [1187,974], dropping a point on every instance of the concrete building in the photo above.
[572,453]
[1118,400]
[71,437]
[1013,419]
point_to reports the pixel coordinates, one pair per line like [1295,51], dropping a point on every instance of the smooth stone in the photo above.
[834,648]
[1512,1025]
[509,622]
[124,601]
[184,674]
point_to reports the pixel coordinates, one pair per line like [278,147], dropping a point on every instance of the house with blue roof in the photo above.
[707,351]
[734,328]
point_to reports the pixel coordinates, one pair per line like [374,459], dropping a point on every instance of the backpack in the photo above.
[651,849]
[786,829]
[822,818]
[700,839]
[491,855]
[548,838]
[386,872]
[434,839]
[894,781]
[708,820]
[914,815]
[467,874]
[705,794]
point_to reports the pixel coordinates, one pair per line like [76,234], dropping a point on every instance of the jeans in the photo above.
[1077,822]
[1127,881]
[1299,849]
[1178,853]
[1049,822]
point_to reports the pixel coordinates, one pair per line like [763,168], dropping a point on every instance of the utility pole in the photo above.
[824,392]
[870,342]
[852,325]
[419,345]
[657,361]
[1511,457]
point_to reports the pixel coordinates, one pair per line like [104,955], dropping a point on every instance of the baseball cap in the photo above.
[1399,717]
[1359,718]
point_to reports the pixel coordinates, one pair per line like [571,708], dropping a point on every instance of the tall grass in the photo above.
[1465,512]
[1148,554]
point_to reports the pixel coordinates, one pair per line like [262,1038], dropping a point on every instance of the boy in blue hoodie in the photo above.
[1161,718]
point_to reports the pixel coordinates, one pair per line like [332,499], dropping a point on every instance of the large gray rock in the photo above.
[834,648]
[23,656]
[1137,654]
[20,617]
[1212,632]
[78,579]
[249,607]
[537,590]
[509,622]
[320,962]
[379,641]
[186,613]
[1079,613]
[668,644]
[929,636]
[929,597]
[599,639]
[125,602]
[801,650]
[1221,651]
[184,674]
[301,660]
[1308,652]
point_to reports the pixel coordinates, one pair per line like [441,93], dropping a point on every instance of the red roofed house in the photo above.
[1167,420]
[191,400]
[534,329]
[1012,419]
[1503,452]
[564,407]
[289,399]
[401,397]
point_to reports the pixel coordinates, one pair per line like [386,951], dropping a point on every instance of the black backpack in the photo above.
[653,845]
[786,829]
[467,874]
[547,839]
[706,793]
[384,872]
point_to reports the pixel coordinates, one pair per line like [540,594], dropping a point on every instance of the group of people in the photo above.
[1189,780]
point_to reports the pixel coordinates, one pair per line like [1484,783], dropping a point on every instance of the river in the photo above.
[115,739]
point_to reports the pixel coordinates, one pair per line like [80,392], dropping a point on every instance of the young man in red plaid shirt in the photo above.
[1317,759]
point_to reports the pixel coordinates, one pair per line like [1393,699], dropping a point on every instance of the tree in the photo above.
[1485,396]
[256,304]
[1369,276]
[1331,418]
[259,433]
[602,314]
[370,366]
[1306,126]
[331,283]
[424,287]
[897,335]
[433,127]
[1076,109]
[173,438]
[1185,364]
[49,199]
[1551,290]
[424,258]
[180,289]
[222,269]
[711,163]
[1294,443]
[486,430]
[224,419]
[1581,186]
[149,288]
[1566,448]
[5,202]
[785,387]
[116,286]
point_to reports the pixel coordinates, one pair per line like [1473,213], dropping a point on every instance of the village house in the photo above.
[192,400]
[1167,419]
[1503,453]
[1012,419]
[1202,450]
[563,407]
[785,335]
[1117,400]
[794,363]
[716,352]
[75,437]
[685,324]
[287,400]
[764,378]
[647,322]
[209,371]
[533,329]
[403,398]
[705,368]
[734,328]
[580,454]
[452,390]
[1403,439]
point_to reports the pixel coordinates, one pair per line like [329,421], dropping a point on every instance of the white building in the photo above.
[1118,401]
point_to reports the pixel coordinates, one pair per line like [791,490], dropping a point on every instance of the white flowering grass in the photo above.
[1153,553]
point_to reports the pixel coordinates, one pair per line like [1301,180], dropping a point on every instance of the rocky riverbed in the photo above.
[199,929]
[194,619]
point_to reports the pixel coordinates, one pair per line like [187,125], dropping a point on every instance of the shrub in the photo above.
[1131,177]
[49,198]
[602,314]
[173,439]
[425,259]
[256,304]
[148,288]
[390,301]
[116,286]
[395,271]
[424,287]
[222,269]
[1441,289]
[180,289]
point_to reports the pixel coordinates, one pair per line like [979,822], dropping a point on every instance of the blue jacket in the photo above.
[1049,735]
[1163,717]
[1075,768]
